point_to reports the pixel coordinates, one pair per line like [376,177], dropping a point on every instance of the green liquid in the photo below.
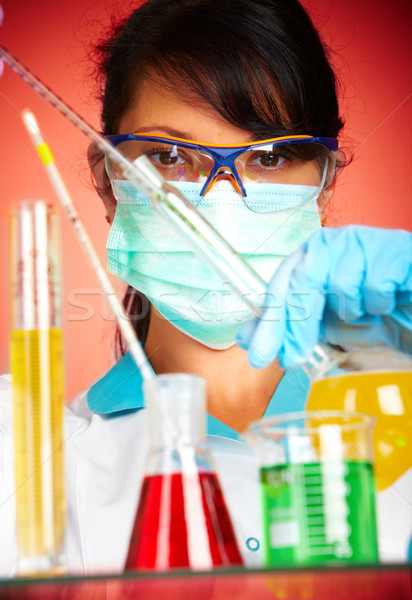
[319,513]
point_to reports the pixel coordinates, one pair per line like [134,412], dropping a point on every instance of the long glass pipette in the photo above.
[206,241]
[47,158]
[171,203]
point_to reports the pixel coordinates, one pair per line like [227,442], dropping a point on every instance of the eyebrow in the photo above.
[176,133]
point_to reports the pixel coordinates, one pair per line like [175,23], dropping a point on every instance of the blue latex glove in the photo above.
[349,286]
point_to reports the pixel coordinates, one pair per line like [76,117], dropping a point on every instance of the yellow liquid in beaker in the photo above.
[388,397]
[38,403]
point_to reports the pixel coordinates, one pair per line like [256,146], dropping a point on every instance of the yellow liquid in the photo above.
[37,367]
[388,397]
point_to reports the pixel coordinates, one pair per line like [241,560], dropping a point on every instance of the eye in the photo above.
[267,159]
[165,156]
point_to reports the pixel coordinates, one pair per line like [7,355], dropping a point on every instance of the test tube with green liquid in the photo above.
[37,367]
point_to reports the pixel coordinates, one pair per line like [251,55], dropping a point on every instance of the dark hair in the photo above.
[259,63]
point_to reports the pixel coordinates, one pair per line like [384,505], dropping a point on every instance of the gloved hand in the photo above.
[350,286]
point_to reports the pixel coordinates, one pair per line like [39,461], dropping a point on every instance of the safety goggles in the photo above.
[295,160]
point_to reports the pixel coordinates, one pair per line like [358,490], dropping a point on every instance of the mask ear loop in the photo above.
[326,169]
[322,183]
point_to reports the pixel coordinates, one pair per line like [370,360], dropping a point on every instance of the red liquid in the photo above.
[165,523]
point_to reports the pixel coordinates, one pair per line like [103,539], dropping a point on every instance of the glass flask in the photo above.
[376,381]
[37,367]
[182,519]
[317,488]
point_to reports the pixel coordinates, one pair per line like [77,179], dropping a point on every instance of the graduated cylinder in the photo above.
[37,367]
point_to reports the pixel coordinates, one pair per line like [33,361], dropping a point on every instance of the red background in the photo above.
[371,43]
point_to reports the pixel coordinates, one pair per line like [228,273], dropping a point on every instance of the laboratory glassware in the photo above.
[317,488]
[205,240]
[182,520]
[67,204]
[376,380]
[37,367]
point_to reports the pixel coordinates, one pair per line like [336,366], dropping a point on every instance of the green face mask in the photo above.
[145,252]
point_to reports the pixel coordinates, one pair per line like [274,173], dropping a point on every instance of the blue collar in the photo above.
[120,391]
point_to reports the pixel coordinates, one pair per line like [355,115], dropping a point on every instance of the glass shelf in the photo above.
[385,582]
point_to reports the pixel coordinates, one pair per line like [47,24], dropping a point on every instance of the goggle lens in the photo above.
[174,163]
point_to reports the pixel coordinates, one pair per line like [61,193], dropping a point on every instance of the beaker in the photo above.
[317,488]
[37,367]
[182,519]
[376,381]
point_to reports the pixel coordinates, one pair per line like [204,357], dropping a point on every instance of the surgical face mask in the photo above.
[149,255]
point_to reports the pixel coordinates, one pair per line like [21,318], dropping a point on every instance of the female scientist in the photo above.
[193,84]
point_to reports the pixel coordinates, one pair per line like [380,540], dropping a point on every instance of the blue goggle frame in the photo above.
[224,156]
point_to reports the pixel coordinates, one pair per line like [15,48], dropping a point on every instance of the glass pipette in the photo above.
[166,199]
[47,158]
[170,202]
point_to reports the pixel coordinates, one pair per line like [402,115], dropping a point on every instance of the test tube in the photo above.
[37,367]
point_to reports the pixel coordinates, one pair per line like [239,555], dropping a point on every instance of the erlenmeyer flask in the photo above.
[376,381]
[182,519]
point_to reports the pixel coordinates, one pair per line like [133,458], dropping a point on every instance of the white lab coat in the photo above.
[105,459]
